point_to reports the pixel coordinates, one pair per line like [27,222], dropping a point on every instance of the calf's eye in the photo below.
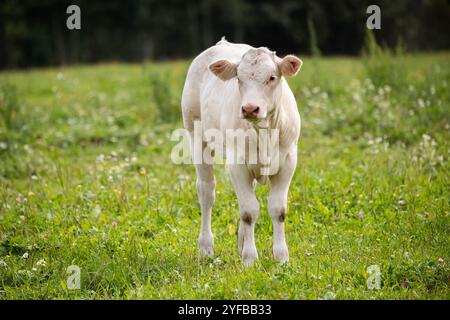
[271,79]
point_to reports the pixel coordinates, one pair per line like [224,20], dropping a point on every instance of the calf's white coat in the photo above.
[219,82]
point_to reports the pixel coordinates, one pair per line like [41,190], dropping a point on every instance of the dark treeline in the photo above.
[34,32]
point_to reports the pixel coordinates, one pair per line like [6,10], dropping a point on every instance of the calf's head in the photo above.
[259,73]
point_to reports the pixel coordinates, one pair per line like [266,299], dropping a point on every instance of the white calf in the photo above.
[235,86]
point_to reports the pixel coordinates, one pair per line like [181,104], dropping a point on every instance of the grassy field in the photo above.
[86,179]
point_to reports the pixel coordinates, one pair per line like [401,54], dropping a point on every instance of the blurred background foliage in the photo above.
[34,33]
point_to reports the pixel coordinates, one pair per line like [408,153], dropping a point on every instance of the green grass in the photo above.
[86,179]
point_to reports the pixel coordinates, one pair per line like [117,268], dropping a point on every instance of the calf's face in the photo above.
[258,73]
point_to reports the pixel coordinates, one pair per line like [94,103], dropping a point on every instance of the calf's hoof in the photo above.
[249,256]
[281,253]
[206,246]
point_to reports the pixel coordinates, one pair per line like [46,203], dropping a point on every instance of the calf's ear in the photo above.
[224,69]
[290,65]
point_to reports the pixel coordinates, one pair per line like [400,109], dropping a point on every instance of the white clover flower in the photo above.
[41,263]
[306,92]
[97,210]
[356,96]
[3,263]
[421,103]
[329,296]
[25,255]
[324,95]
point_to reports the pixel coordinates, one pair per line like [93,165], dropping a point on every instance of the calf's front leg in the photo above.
[277,205]
[248,211]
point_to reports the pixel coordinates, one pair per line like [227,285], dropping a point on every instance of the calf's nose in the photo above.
[250,110]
